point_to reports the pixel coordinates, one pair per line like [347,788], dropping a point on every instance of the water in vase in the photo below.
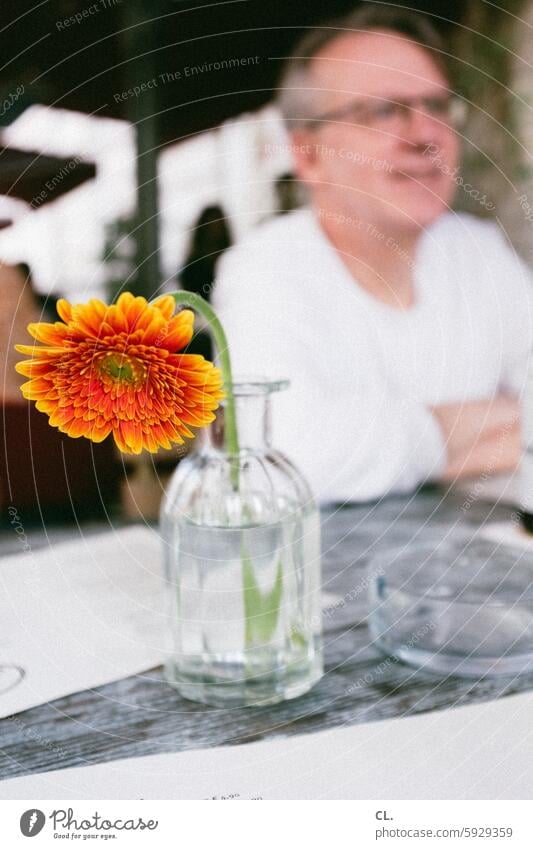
[246,609]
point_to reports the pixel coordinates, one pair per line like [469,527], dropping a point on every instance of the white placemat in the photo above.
[482,751]
[81,614]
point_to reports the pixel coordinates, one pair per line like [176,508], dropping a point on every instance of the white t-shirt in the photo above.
[355,419]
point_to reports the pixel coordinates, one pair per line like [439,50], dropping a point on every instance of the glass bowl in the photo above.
[456,605]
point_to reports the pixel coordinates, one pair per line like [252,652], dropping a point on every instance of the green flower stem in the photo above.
[199,305]
[261,611]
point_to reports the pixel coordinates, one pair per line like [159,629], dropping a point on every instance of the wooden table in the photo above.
[143,715]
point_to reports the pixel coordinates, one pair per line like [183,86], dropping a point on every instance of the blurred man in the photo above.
[403,326]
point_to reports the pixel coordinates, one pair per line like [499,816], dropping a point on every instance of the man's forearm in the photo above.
[495,454]
[480,436]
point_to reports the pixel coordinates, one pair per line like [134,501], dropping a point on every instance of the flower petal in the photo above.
[64,310]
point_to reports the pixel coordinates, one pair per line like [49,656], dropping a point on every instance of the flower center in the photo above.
[122,368]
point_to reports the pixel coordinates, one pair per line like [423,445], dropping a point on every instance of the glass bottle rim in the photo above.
[245,386]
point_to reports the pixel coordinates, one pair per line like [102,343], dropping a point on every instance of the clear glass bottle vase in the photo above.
[242,557]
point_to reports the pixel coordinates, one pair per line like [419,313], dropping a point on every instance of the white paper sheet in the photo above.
[482,751]
[81,614]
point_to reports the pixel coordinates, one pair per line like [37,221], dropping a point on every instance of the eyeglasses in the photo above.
[389,114]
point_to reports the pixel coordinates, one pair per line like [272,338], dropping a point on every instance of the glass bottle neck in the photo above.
[253,424]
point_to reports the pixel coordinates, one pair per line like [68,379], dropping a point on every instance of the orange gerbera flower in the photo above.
[116,369]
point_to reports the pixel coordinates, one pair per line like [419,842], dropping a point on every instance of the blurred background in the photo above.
[138,140]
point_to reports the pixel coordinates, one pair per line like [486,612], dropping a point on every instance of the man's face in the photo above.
[390,167]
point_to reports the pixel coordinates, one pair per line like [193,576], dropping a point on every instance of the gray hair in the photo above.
[296,97]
